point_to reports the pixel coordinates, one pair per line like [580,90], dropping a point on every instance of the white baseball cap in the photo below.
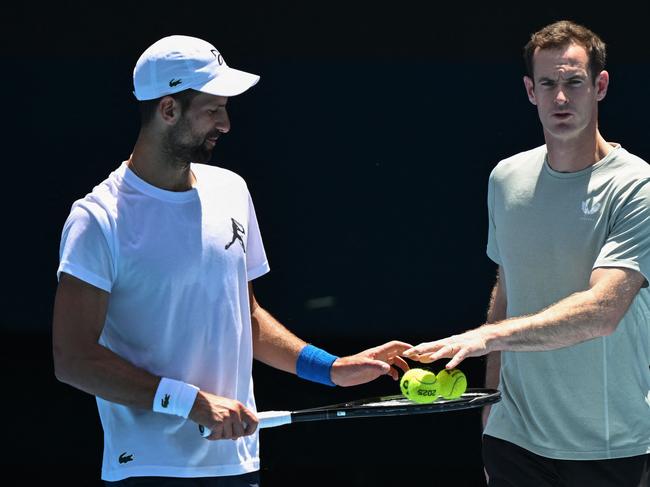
[177,63]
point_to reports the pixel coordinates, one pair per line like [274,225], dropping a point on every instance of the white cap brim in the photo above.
[230,82]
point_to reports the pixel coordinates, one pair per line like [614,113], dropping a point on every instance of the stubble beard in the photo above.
[182,146]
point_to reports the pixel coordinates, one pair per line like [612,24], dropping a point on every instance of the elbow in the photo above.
[610,323]
[60,369]
[63,368]
[609,327]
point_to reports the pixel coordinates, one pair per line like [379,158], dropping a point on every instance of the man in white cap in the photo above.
[155,313]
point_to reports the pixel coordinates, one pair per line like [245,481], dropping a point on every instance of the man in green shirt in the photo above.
[568,329]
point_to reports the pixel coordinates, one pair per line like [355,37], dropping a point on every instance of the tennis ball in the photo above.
[419,385]
[452,383]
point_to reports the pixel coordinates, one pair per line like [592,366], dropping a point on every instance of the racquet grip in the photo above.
[267,419]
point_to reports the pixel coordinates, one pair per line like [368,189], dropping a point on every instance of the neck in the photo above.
[576,154]
[155,167]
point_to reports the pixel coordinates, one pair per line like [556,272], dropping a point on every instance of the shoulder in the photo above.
[218,177]
[627,173]
[632,165]
[525,161]
[101,203]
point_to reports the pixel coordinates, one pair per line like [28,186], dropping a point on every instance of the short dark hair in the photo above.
[148,107]
[561,34]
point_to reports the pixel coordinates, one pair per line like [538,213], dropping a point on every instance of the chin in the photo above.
[202,156]
[563,131]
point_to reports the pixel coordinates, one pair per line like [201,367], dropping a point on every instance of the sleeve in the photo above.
[256,262]
[628,242]
[84,252]
[492,245]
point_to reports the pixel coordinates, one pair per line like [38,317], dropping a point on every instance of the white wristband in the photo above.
[174,397]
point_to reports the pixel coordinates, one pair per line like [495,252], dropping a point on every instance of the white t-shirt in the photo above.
[177,266]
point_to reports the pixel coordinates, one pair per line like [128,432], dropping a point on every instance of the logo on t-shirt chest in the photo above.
[238,233]
[590,209]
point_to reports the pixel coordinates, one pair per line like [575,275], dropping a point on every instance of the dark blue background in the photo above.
[366,146]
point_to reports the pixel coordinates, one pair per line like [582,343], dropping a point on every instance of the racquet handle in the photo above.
[267,419]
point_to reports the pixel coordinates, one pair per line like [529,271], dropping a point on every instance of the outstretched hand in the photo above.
[457,347]
[366,366]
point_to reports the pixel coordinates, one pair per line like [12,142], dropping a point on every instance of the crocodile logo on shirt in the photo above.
[589,207]
[124,458]
[164,402]
[237,231]
[174,82]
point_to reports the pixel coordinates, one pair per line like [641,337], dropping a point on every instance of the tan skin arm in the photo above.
[276,346]
[79,315]
[80,361]
[496,312]
[579,317]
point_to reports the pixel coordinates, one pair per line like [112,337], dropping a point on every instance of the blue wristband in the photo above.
[315,364]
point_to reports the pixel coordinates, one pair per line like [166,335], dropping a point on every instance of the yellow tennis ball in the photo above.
[419,385]
[452,383]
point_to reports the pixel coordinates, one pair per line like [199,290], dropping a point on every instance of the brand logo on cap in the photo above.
[217,55]
[175,82]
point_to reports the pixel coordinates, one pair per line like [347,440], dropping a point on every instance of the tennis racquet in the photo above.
[396,405]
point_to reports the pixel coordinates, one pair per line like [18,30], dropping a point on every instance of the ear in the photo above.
[602,83]
[169,110]
[530,89]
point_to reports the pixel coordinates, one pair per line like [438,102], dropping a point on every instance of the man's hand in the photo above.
[370,364]
[227,418]
[472,343]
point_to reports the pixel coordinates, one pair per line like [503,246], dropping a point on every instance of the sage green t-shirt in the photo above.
[549,230]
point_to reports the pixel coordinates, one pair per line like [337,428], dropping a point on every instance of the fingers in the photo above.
[226,432]
[222,430]
[395,347]
[426,348]
[387,350]
[393,373]
[382,367]
[228,419]
[444,351]
[401,363]
[425,358]
[390,353]
[217,432]
[249,422]
[373,369]
[432,351]
[357,369]
[232,429]
[371,363]
[457,358]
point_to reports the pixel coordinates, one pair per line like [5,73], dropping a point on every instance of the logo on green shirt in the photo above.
[589,207]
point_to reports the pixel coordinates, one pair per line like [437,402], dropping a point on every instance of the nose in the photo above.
[223,122]
[561,98]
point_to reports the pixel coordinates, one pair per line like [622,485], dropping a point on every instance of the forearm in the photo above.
[577,318]
[273,344]
[103,373]
[497,311]
[492,376]
[582,316]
